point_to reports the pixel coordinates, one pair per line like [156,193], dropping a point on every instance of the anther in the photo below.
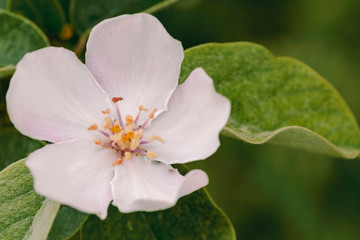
[141,108]
[155,137]
[116,137]
[129,127]
[129,119]
[151,115]
[126,140]
[117,162]
[151,154]
[115,129]
[127,155]
[93,127]
[135,140]
[127,137]
[116,99]
[107,111]
[107,124]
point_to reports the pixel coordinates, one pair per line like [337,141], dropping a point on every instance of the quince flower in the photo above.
[118,122]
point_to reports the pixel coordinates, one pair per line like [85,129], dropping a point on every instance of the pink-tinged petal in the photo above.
[75,173]
[191,126]
[141,184]
[132,56]
[52,96]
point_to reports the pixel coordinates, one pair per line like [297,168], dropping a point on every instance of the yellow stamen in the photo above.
[127,137]
[107,124]
[136,140]
[116,138]
[107,111]
[93,127]
[155,137]
[151,115]
[117,162]
[129,119]
[129,127]
[151,154]
[127,155]
[116,128]
[141,108]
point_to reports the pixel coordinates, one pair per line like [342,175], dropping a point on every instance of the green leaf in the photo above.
[17,37]
[194,217]
[47,14]
[14,146]
[3,4]
[85,14]
[276,99]
[23,213]
[68,221]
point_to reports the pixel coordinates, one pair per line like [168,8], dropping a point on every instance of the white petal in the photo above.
[141,184]
[132,56]
[75,173]
[53,97]
[191,126]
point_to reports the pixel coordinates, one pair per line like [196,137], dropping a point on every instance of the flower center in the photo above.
[126,139]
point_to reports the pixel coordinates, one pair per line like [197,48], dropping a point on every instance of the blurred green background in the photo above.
[270,192]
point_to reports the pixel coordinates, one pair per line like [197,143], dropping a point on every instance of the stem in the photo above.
[160,6]
[80,45]
[6,72]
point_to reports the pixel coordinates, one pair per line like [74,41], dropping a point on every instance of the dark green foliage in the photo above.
[194,217]
[18,36]
[47,14]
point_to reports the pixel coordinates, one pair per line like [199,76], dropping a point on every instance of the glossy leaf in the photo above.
[14,146]
[85,14]
[193,217]
[47,14]
[23,213]
[276,99]
[17,37]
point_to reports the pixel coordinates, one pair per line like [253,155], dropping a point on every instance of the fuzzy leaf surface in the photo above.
[23,213]
[277,99]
